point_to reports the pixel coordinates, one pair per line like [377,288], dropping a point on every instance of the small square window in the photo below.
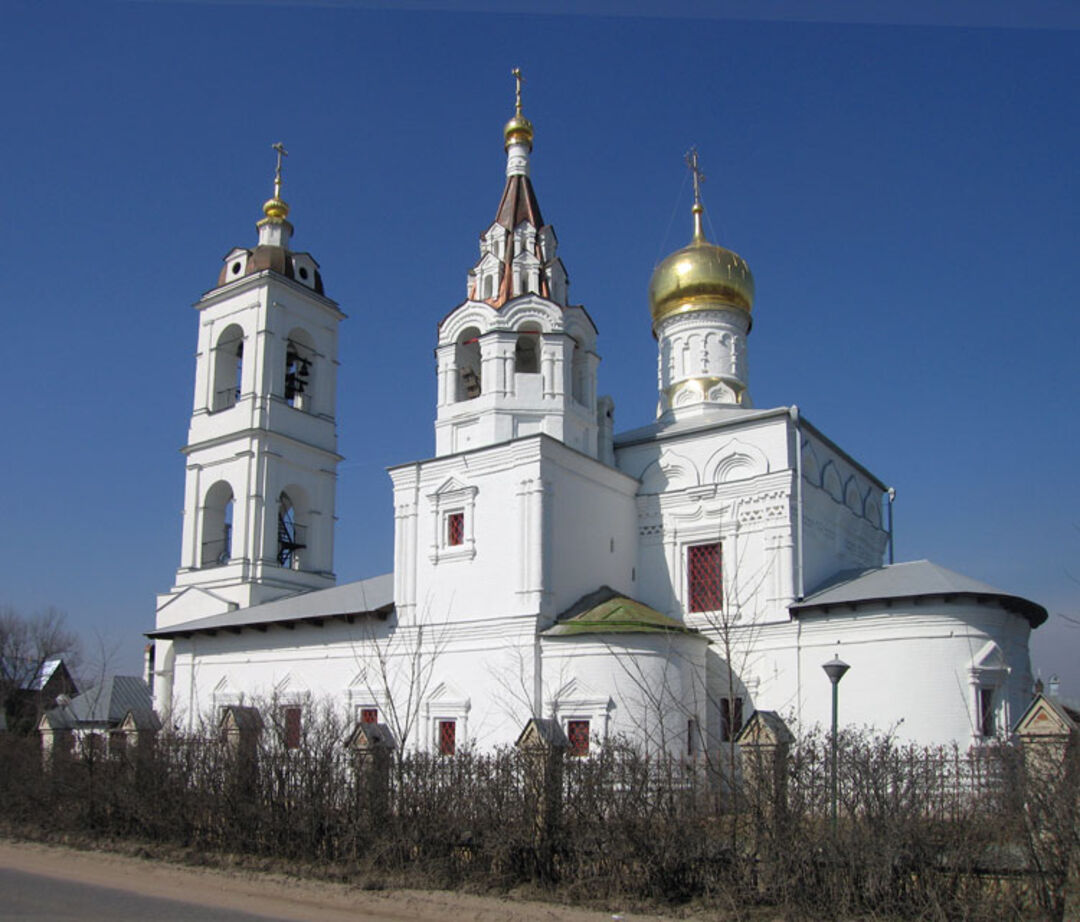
[704,577]
[455,529]
[447,737]
[292,727]
[577,732]
[369,715]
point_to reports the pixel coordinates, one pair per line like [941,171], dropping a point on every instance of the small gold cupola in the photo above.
[518,130]
[701,276]
[275,208]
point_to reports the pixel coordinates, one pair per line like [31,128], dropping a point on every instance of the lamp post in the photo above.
[834,669]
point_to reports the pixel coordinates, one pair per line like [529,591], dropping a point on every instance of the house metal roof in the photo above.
[38,682]
[106,704]
[916,579]
[345,602]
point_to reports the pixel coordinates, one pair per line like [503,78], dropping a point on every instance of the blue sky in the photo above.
[902,182]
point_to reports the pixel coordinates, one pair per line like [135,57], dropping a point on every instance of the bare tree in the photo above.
[26,645]
[397,667]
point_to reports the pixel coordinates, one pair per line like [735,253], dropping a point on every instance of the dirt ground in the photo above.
[283,897]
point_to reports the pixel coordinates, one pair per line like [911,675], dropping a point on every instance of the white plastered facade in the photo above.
[530,504]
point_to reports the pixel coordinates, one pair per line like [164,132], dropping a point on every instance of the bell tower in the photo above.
[261,453]
[516,358]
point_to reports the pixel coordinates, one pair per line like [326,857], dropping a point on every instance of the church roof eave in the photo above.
[362,598]
[909,581]
[215,294]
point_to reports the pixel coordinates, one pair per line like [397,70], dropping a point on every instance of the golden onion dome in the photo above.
[276,209]
[518,130]
[701,276]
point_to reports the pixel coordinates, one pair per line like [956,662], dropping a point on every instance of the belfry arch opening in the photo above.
[299,384]
[527,350]
[217,517]
[228,368]
[467,361]
[579,369]
[292,535]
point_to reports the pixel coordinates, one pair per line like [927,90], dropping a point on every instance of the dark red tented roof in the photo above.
[518,204]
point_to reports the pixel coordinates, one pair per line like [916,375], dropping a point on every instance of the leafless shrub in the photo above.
[922,833]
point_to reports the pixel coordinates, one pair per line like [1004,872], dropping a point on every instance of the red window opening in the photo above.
[705,577]
[447,737]
[369,715]
[455,529]
[577,731]
[730,718]
[292,727]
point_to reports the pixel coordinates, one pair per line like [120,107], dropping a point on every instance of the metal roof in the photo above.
[106,704]
[607,612]
[912,580]
[38,682]
[716,418]
[363,597]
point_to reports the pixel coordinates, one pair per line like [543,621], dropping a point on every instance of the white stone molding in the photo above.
[470,314]
[453,496]
[446,702]
[735,460]
[671,471]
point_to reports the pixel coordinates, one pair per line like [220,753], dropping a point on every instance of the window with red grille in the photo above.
[704,566]
[369,715]
[577,731]
[730,718]
[455,529]
[292,727]
[447,737]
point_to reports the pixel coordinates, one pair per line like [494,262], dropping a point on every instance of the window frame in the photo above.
[454,521]
[694,605]
[727,734]
[440,736]
[986,710]
[451,499]
[578,746]
[292,736]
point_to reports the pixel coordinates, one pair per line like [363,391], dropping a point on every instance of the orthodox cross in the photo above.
[518,79]
[695,169]
[281,152]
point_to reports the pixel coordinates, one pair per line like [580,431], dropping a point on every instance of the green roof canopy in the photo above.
[607,612]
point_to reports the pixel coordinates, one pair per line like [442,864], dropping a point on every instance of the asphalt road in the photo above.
[31,896]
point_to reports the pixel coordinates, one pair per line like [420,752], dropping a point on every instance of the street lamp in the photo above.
[834,669]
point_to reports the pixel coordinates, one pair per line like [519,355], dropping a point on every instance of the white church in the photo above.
[661,583]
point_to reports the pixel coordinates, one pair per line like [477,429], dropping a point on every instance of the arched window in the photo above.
[291,536]
[467,356]
[489,287]
[228,368]
[579,369]
[527,350]
[299,370]
[217,526]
